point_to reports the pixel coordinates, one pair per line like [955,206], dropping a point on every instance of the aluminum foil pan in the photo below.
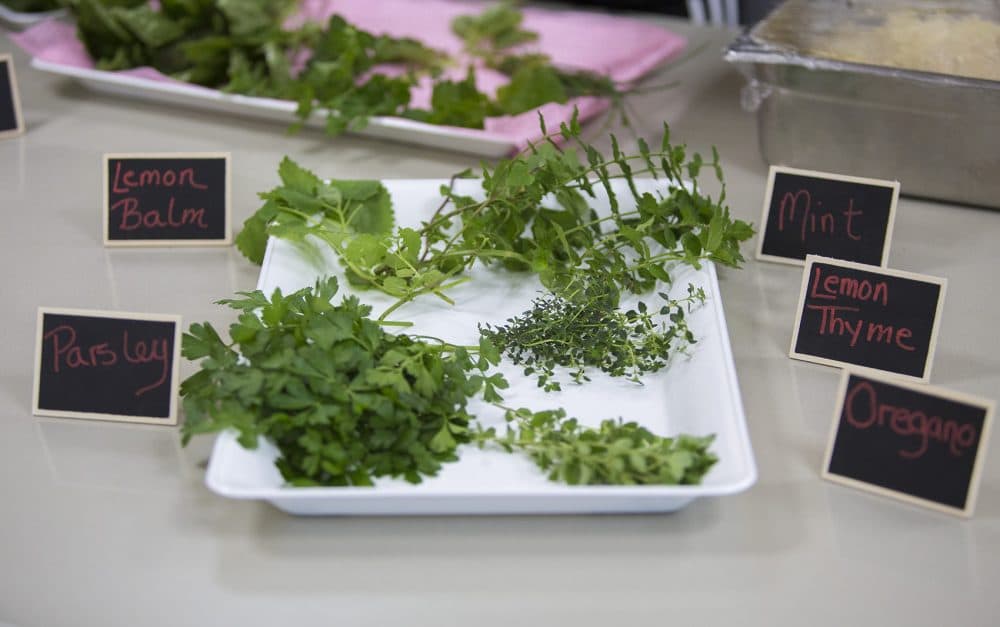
[906,91]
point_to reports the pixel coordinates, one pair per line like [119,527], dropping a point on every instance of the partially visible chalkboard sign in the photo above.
[909,441]
[11,123]
[167,199]
[843,217]
[107,365]
[852,314]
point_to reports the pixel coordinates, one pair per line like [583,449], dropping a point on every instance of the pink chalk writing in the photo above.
[833,286]
[814,220]
[132,217]
[862,410]
[128,180]
[836,319]
[68,353]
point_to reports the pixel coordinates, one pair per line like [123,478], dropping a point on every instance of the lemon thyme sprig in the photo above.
[586,329]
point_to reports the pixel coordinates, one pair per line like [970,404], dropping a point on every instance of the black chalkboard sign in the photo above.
[107,365]
[11,123]
[852,314]
[832,215]
[167,199]
[909,441]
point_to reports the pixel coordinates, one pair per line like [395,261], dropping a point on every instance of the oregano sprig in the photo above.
[615,453]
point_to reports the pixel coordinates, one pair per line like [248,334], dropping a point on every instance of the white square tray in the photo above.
[696,395]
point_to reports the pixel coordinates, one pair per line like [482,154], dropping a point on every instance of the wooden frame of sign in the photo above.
[7,61]
[187,217]
[925,371]
[827,221]
[905,418]
[104,355]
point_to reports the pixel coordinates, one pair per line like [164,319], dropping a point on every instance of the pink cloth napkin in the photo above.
[622,48]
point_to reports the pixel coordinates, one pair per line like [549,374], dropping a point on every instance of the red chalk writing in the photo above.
[132,217]
[68,353]
[863,410]
[796,211]
[837,319]
[129,179]
[833,286]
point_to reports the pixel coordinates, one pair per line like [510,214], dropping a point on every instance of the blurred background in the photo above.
[749,11]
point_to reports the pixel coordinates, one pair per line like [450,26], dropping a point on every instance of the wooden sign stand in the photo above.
[11,120]
[916,443]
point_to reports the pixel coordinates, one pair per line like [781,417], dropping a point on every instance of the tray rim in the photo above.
[23,19]
[747,49]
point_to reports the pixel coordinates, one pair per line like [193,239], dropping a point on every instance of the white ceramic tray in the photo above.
[456,139]
[697,395]
[20,19]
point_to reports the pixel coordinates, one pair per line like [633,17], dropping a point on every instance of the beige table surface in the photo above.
[106,524]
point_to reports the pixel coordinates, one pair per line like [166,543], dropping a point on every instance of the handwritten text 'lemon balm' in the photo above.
[130,216]
[166,198]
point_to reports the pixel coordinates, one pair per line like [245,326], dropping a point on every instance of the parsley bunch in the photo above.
[343,400]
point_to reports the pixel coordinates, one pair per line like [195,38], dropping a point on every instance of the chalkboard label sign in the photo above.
[851,314]
[107,365]
[832,215]
[912,442]
[167,199]
[11,123]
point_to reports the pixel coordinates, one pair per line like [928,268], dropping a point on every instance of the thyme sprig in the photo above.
[587,330]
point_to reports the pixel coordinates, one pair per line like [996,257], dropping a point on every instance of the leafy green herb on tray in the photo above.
[244,47]
[587,329]
[346,402]
[343,400]
[615,453]
[632,248]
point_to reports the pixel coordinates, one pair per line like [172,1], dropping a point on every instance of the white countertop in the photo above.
[110,524]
